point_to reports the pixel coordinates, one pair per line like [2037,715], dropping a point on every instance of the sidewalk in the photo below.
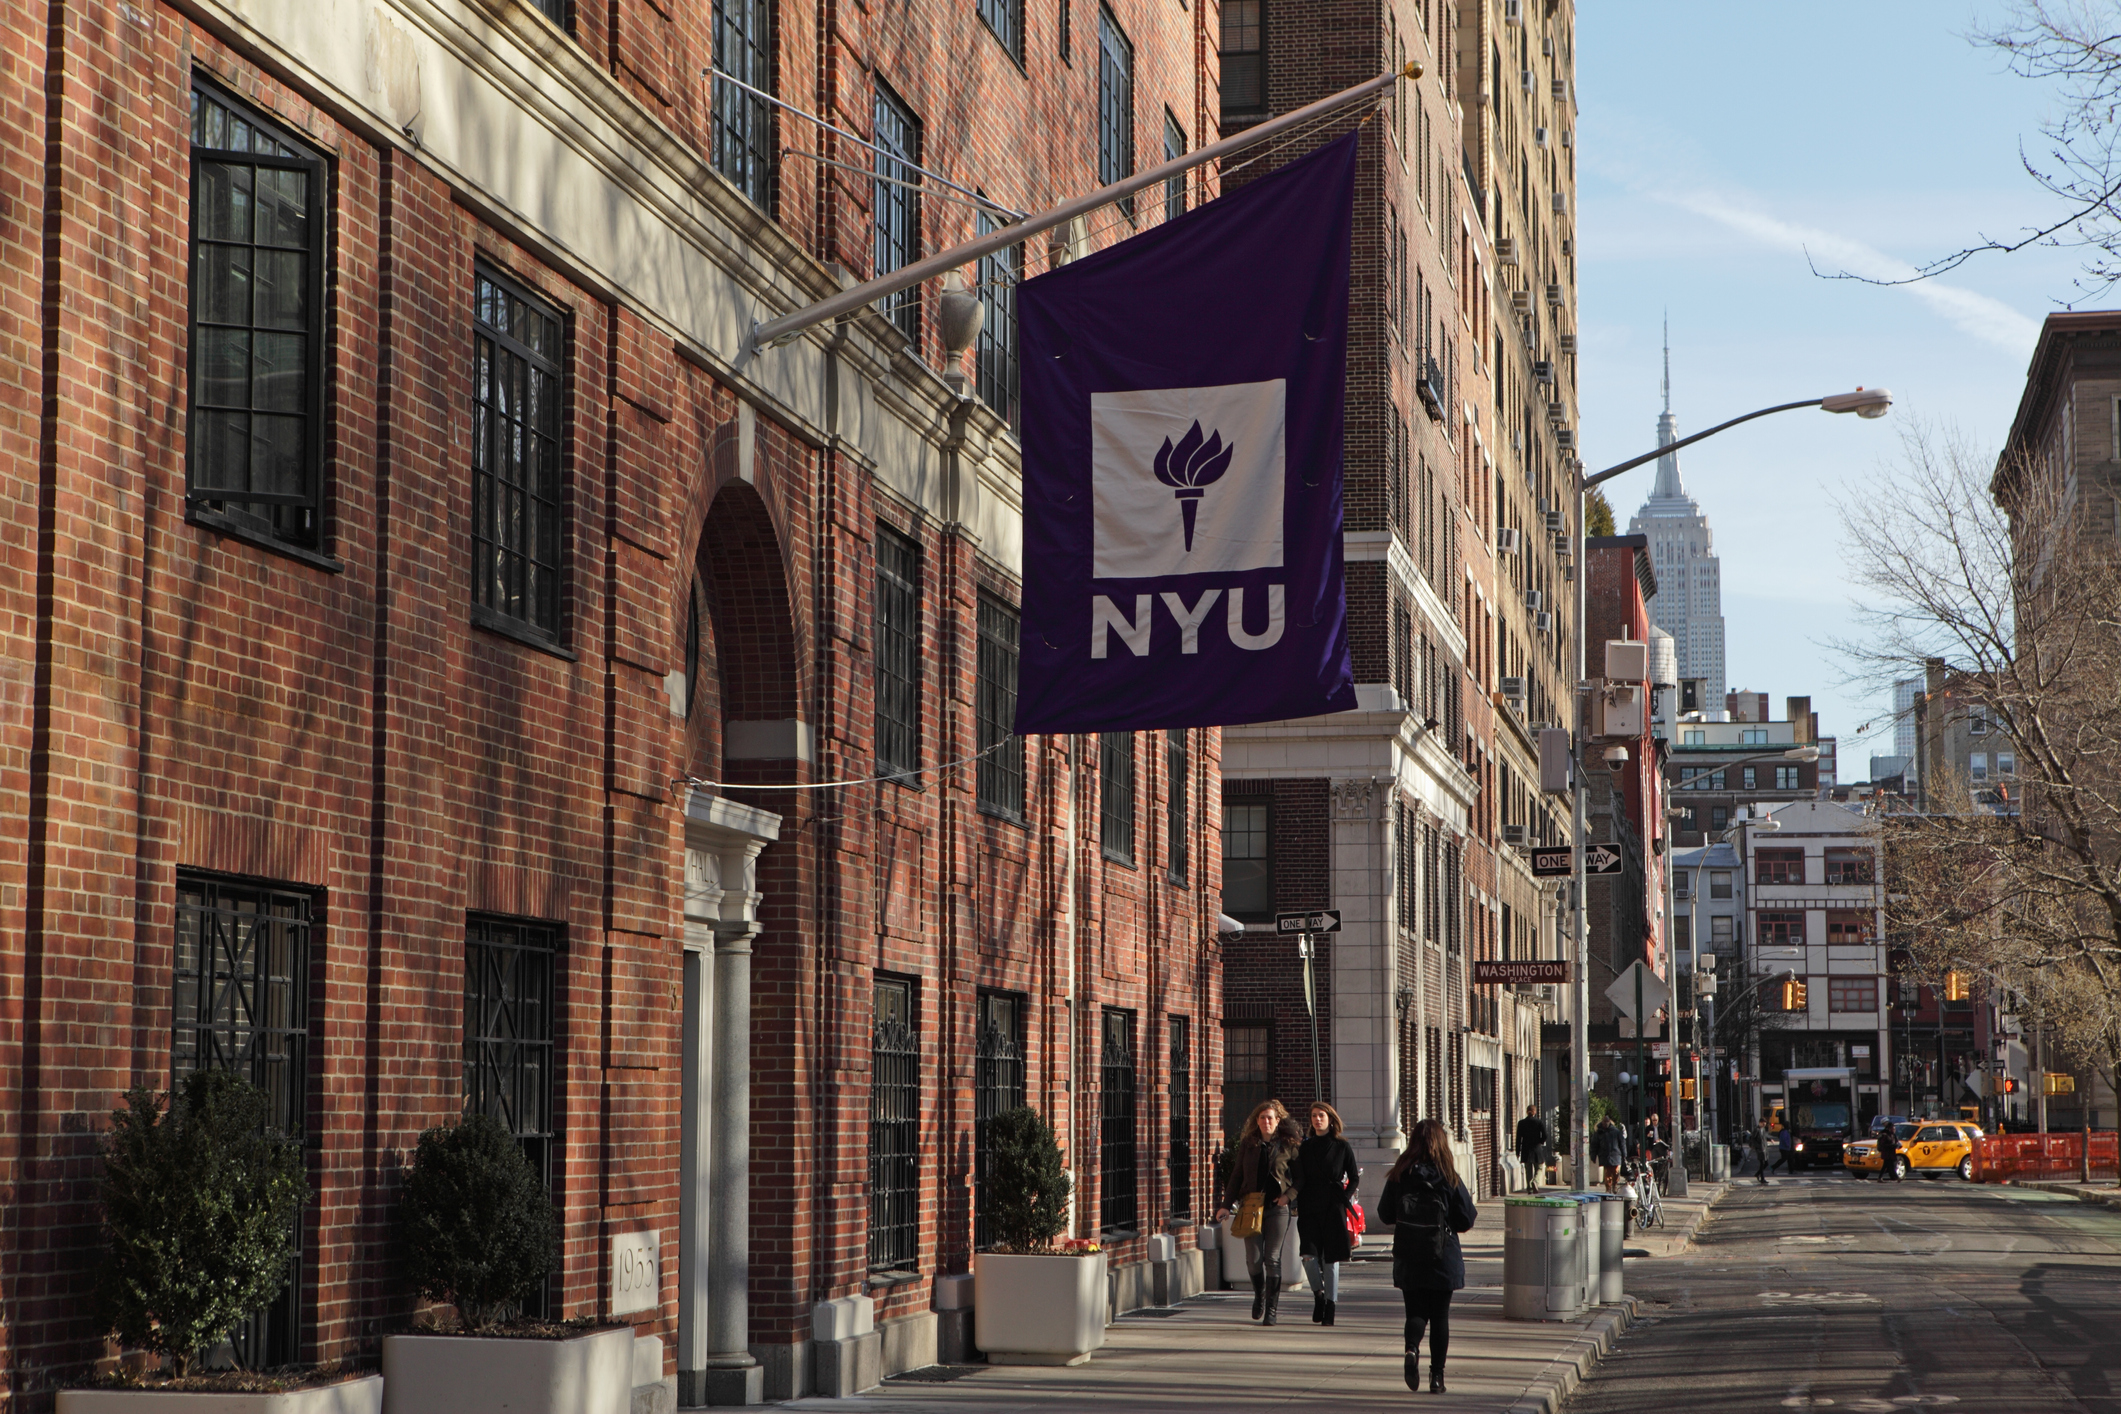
[2100,1190]
[1209,1353]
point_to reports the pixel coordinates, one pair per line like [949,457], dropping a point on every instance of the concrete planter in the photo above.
[457,1374]
[359,1396]
[1038,1310]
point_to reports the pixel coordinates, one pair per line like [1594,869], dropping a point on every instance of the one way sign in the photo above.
[1558,863]
[1601,859]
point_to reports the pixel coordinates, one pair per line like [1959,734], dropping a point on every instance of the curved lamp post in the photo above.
[1865,403]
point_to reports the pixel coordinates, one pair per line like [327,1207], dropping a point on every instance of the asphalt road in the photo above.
[1825,1292]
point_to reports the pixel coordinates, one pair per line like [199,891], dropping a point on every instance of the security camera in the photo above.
[1615,757]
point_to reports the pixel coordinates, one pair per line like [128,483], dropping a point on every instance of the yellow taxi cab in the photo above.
[1941,1146]
[1860,1157]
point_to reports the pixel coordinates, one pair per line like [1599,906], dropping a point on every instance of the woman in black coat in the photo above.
[1428,1208]
[1323,1192]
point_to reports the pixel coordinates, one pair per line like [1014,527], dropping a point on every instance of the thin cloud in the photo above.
[1980,316]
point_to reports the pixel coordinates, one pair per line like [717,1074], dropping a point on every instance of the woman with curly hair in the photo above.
[1428,1207]
[1265,1165]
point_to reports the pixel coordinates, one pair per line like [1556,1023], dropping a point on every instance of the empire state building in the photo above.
[1689,602]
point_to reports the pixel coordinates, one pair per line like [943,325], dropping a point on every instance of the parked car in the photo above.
[1860,1158]
[1941,1147]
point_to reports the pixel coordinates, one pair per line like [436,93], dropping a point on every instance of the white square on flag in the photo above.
[1229,474]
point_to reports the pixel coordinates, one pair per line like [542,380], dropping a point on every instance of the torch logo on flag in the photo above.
[1191,469]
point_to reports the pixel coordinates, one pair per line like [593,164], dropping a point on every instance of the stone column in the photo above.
[733,1376]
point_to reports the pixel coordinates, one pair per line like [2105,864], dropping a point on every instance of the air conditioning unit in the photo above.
[1554,521]
[1535,599]
[1513,690]
[1509,540]
[1539,137]
[1513,12]
[1561,203]
[1546,45]
[1553,294]
[1521,301]
[1544,622]
[1513,834]
[1568,574]
[1560,89]
[1542,371]
[1566,141]
[1565,439]
[1530,81]
[1563,547]
[1428,383]
[1567,343]
[1506,250]
[1557,413]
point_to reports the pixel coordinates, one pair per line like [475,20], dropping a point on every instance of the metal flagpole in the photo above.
[772,332]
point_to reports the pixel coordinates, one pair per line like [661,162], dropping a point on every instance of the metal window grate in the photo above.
[1181,1089]
[1006,19]
[898,653]
[240,1002]
[743,124]
[257,324]
[1000,365]
[1174,148]
[894,1130]
[1115,104]
[515,455]
[1000,780]
[1178,771]
[896,206]
[998,1087]
[508,1031]
[1116,794]
[1116,1172]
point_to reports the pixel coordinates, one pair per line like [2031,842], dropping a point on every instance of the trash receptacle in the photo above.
[1612,1232]
[1587,1243]
[1542,1259]
[1719,1162]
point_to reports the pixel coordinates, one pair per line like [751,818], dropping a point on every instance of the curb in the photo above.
[1551,1387]
[2107,1199]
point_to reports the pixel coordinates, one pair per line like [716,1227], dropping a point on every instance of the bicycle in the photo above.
[1645,1209]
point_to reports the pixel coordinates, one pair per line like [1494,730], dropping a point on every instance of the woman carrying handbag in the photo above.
[1428,1207]
[1262,1184]
[1328,1184]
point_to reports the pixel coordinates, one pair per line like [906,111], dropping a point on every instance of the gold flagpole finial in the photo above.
[1412,70]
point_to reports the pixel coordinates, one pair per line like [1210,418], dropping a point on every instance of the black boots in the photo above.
[1318,1308]
[1259,1296]
[1414,1372]
[1273,1302]
[1436,1377]
[1331,1306]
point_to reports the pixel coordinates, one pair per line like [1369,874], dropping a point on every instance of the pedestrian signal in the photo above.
[1958,986]
[2061,1084]
[2010,1085]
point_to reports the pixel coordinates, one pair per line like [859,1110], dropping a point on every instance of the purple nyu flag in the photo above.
[1182,460]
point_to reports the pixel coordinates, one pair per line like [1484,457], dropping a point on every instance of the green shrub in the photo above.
[1027,1181]
[478,1224]
[199,1208]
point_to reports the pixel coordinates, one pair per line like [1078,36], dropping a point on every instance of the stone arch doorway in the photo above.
[745,723]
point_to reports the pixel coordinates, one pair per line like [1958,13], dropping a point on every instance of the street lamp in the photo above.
[1865,403]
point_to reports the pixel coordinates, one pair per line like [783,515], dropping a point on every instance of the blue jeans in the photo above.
[1325,1277]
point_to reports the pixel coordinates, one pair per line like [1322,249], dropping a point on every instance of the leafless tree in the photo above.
[2009,574]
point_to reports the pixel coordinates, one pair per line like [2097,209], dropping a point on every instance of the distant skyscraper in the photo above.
[1904,721]
[1689,602]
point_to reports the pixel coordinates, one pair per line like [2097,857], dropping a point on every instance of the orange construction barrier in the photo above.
[1999,1158]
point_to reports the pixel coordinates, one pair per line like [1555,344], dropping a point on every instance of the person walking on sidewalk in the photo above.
[1609,1152]
[1785,1149]
[1752,1143]
[1889,1154]
[1263,1176]
[1531,1146]
[1428,1207]
[1327,1184]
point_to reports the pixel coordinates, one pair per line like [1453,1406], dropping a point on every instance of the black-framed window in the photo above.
[896,206]
[1248,1072]
[1117,1208]
[1181,1090]
[1248,874]
[240,1003]
[1178,771]
[894,1129]
[1065,31]
[1006,19]
[897,643]
[743,122]
[554,10]
[509,1001]
[1000,778]
[256,417]
[1174,148]
[1115,104]
[1243,55]
[1000,367]
[998,1087]
[517,420]
[1115,794]
[692,648]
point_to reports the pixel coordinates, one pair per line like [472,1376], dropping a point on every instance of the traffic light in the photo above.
[2059,1083]
[1958,986]
[1686,1089]
[1793,994]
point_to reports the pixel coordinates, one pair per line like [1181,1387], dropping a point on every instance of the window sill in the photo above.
[1126,859]
[264,540]
[1007,816]
[508,628]
[877,1281]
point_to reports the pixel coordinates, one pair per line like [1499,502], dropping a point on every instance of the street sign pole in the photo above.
[1642,1080]
[1318,1088]
[1579,1011]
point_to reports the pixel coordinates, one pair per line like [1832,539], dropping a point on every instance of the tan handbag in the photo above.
[1245,1223]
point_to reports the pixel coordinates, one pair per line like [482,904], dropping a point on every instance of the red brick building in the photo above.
[396,521]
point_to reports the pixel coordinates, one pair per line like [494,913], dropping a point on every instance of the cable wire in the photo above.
[699,784]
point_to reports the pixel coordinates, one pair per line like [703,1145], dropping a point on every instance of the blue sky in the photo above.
[1716,145]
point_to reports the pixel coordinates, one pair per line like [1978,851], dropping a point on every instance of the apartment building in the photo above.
[1718,771]
[433,626]
[1405,814]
